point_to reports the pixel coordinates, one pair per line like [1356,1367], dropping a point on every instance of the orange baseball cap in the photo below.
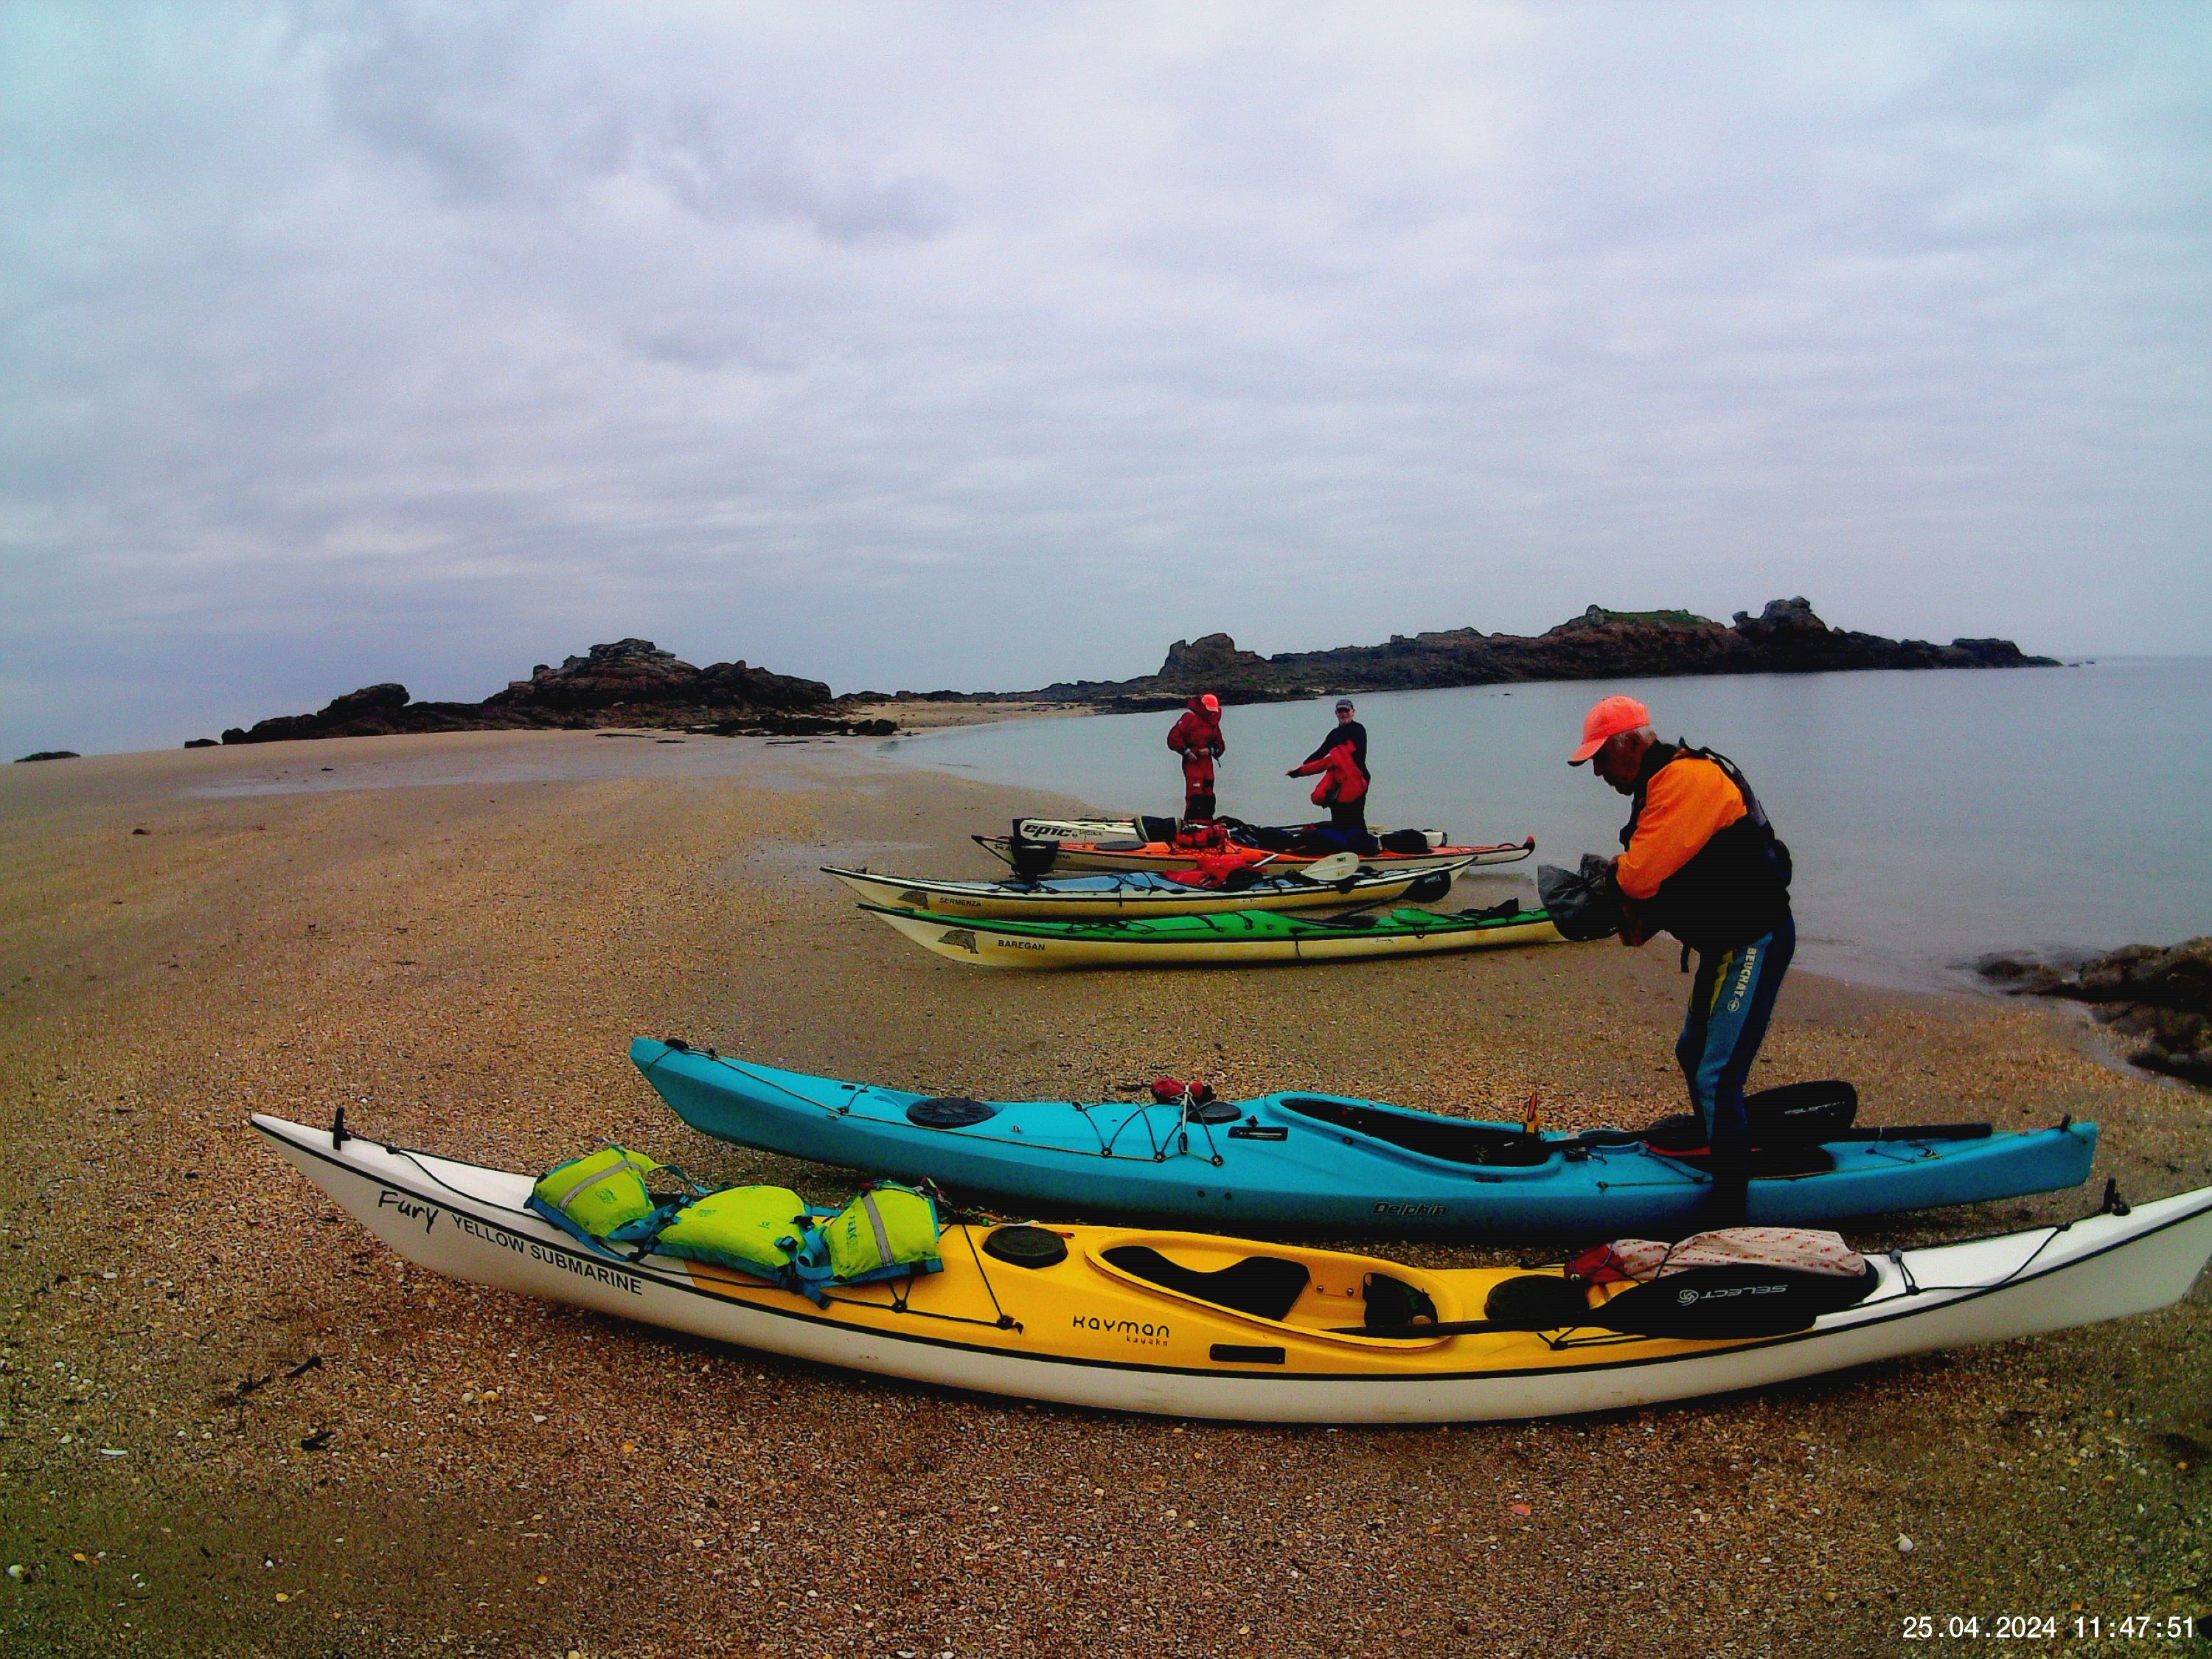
[1608,718]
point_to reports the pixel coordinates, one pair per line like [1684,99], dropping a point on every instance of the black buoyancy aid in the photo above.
[1737,888]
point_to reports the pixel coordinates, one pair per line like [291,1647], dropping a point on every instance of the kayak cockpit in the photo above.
[1451,1140]
[1315,1294]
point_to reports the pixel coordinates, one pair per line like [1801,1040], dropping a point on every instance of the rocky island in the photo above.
[635,683]
[628,683]
[1785,638]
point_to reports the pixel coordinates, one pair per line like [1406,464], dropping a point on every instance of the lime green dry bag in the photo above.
[755,1229]
[888,1229]
[591,1197]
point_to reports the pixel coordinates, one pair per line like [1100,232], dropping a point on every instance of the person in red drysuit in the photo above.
[1342,788]
[1197,737]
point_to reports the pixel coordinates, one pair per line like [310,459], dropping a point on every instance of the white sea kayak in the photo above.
[1193,1325]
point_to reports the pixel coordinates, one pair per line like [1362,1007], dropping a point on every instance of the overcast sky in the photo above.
[982,345]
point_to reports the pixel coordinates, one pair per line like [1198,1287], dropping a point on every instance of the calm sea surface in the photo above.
[1934,816]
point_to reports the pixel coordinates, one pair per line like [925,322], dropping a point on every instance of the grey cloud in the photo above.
[507,104]
[369,341]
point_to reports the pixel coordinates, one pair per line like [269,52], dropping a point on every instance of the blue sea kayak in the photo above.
[1333,1163]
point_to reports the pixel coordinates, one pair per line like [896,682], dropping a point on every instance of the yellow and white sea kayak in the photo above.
[1193,1325]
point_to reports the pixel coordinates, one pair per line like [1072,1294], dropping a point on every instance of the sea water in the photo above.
[1934,815]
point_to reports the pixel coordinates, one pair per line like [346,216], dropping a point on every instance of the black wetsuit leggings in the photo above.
[1349,815]
[1730,1001]
[1196,805]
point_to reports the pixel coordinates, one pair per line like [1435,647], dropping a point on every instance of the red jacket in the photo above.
[1197,737]
[1342,782]
[1214,869]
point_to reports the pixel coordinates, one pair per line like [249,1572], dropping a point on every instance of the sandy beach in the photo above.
[231,1425]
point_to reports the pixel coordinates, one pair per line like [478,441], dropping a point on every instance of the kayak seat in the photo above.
[1793,1115]
[950,1112]
[1432,886]
[1265,1286]
[1488,1145]
[1537,1302]
[1394,1305]
[1503,910]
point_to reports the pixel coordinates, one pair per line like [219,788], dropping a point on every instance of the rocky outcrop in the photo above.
[636,677]
[2161,997]
[49,753]
[635,683]
[1787,637]
[374,711]
[627,683]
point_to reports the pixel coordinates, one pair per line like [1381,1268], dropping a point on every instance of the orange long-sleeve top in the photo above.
[1686,804]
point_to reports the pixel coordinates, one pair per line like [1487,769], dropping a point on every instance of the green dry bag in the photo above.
[594,1195]
[886,1229]
[752,1229]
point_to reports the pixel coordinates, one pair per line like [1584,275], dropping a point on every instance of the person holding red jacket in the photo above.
[1197,737]
[1342,788]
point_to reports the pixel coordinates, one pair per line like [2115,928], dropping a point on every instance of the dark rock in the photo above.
[634,682]
[201,742]
[2022,976]
[2162,995]
[1781,616]
[1211,663]
[1786,637]
[627,683]
[2178,977]
[49,753]
[374,711]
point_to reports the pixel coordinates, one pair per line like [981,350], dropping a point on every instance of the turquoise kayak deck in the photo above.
[1322,1162]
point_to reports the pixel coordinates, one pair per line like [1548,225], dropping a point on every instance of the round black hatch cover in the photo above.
[1026,1247]
[949,1112]
[1215,1111]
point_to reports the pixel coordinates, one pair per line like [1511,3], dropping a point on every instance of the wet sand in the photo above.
[916,715]
[325,1452]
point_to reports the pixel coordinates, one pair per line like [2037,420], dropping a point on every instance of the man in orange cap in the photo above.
[1197,737]
[1700,861]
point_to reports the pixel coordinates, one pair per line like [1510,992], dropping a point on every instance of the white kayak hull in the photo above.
[467,1223]
[1073,856]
